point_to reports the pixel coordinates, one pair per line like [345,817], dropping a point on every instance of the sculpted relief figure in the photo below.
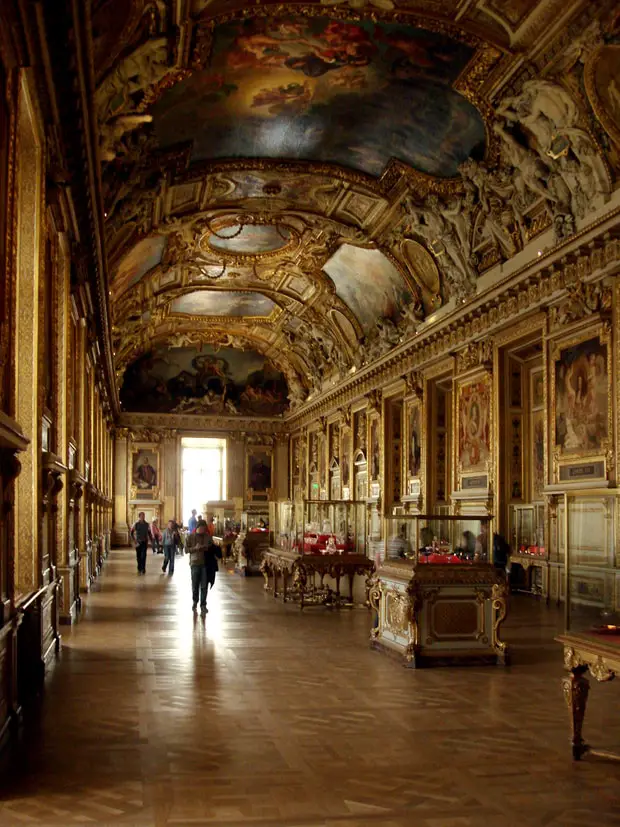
[495,194]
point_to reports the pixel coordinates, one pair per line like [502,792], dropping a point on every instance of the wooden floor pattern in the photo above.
[260,714]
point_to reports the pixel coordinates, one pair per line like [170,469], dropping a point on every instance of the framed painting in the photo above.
[413,438]
[581,405]
[474,424]
[145,482]
[345,462]
[537,393]
[259,462]
[538,455]
[374,449]
[601,76]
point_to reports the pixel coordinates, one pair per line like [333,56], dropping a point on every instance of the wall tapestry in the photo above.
[144,471]
[223,303]
[368,283]
[473,425]
[319,89]
[581,396]
[188,380]
[137,263]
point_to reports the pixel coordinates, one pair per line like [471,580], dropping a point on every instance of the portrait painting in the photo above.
[581,396]
[369,284]
[144,471]
[375,450]
[204,381]
[415,440]
[473,425]
[223,303]
[538,455]
[248,239]
[275,87]
[142,258]
[259,471]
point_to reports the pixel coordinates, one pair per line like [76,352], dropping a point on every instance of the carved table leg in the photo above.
[575,689]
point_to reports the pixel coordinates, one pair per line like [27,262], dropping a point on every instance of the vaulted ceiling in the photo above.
[260,170]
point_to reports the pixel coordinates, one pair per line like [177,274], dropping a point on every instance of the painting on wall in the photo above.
[144,472]
[414,436]
[581,396]
[538,455]
[375,450]
[136,263]
[259,474]
[538,389]
[275,86]
[516,457]
[223,303]
[369,284]
[345,464]
[188,380]
[473,425]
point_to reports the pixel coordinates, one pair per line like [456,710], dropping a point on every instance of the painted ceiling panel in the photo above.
[137,262]
[223,303]
[368,283]
[249,238]
[320,89]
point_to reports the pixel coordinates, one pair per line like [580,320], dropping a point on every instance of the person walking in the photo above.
[203,565]
[192,522]
[170,541]
[157,537]
[141,534]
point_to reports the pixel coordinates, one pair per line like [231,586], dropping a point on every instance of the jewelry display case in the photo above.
[316,545]
[591,640]
[437,596]
[529,564]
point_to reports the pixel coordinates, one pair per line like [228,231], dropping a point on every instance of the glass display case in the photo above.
[331,526]
[255,520]
[527,529]
[283,516]
[587,524]
[438,539]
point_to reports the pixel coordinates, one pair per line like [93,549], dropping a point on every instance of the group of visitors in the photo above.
[203,552]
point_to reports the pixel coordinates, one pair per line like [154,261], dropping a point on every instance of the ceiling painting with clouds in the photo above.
[319,89]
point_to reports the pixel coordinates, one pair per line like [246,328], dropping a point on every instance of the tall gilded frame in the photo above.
[603,452]
[150,450]
[474,388]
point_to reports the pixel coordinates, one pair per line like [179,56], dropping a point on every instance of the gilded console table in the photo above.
[434,612]
[586,652]
[299,574]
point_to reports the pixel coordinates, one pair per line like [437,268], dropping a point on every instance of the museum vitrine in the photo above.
[591,640]
[254,537]
[438,539]
[527,529]
[331,526]
[437,595]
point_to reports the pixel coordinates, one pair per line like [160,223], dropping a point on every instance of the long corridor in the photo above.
[262,714]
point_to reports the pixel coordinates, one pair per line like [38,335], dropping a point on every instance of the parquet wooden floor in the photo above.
[262,715]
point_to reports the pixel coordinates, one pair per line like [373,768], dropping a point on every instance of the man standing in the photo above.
[203,565]
[141,534]
[191,523]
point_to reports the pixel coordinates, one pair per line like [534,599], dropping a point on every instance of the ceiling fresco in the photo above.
[369,284]
[205,380]
[223,303]
[146,255]
[297,190]
[320,89]
[249,238]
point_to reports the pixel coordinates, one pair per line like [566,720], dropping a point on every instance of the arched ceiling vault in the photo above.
[306,183]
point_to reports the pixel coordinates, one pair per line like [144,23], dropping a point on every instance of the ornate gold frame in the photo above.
[413,403]
[250,494]
[485,467]
[605,453]
[609,125]
[135,493]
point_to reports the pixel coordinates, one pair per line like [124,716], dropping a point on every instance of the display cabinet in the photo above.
[253,539]
[437,595]
[317,545]
[529,565]
[591,639]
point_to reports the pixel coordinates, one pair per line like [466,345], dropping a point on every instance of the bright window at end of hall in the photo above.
[204,472]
